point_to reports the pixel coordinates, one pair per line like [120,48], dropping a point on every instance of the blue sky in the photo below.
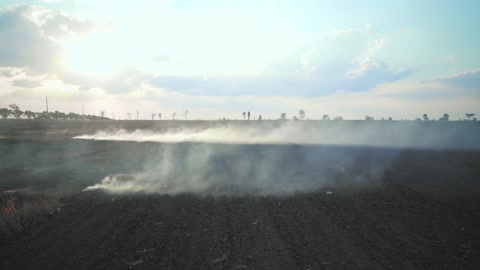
[220,58]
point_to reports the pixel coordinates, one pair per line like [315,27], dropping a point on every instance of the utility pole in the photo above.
[46,102]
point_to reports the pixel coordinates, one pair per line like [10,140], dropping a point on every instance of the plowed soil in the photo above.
[423,213]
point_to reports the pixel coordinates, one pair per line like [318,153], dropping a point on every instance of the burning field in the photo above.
[239,195]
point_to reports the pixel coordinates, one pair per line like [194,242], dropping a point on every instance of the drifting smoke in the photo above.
[379,134]
[216,169]
[245,160]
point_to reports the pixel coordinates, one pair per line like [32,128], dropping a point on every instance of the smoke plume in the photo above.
[268,159]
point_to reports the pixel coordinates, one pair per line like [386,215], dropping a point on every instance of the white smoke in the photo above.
[284,133]
[267,159]
[226,169]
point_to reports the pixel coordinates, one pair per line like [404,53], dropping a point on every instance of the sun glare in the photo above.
[98,55]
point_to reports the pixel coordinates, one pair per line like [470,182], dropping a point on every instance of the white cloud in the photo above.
[30,37]
[175,59]
[339,49]
[469,79]
[376,46]
[27,83]
[160,58]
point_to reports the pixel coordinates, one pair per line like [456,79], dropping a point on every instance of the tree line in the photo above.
[14,111]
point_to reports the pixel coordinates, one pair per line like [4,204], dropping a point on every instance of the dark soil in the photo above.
[423,213]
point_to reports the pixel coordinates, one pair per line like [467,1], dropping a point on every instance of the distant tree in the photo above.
[102,114]
[244,115]
[283,116]
[29,114]
[248,115]
[129,116]
[260,117]
[185,113]
[42,115]
[325,117]
[14,107]
[338,118]
[138,112]
[390,119]
[153,115]
[425,117]
[301,114]
[418,119]
[368,118]
[173,116]
[58,115]
[73,116]
[444,117]
[16,112]
[295,118]
[469,115]
[4,112]
[160,116]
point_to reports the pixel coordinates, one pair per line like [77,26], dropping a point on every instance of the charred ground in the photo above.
[422,211]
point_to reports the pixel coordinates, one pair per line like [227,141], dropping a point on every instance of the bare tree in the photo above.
[102,114]
[173,116]
[185,113]
[153,115]
[137,114]
[160,116]
[129,116]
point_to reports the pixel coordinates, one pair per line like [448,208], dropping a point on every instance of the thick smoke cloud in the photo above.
[269,159]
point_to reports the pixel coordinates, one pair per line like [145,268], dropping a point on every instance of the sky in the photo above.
[217,59]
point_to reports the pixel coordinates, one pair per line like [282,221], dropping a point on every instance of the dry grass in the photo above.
[19,210]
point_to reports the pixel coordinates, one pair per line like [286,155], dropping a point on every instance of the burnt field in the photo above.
[124,198]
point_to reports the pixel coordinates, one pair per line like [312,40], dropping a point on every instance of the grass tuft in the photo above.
[19,210]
